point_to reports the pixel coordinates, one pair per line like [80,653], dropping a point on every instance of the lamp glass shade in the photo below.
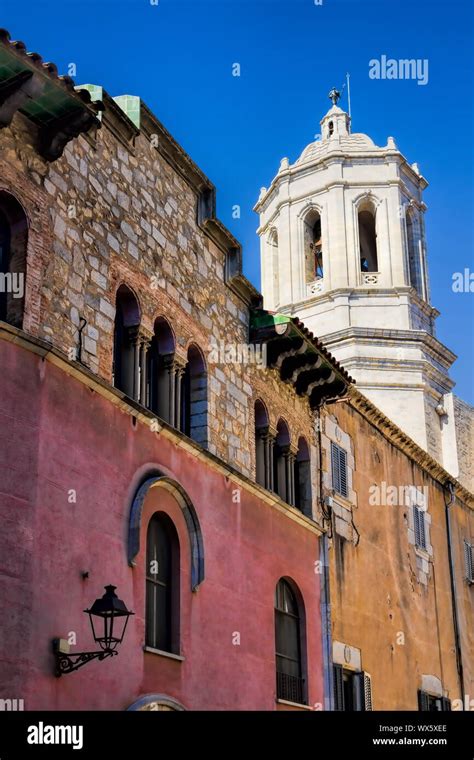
[108,617]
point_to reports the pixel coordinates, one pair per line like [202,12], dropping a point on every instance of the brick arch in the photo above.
[160,480]
[38,245]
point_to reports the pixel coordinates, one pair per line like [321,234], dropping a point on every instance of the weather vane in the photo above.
[334,95]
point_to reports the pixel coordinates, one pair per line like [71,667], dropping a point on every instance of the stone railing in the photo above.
[315,287]
[370,278]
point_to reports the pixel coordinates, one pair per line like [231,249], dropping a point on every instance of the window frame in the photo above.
[339,475]
[419,528]
[290,687]
[469,561]
[170,643]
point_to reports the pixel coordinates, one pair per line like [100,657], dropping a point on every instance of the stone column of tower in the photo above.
[343,248]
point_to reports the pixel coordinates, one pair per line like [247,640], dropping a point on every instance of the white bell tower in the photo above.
[343,248]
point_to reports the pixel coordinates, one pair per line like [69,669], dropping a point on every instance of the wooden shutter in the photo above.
[419,523]
[469,558]
[423,701]
[339,469]
[367,691]
[338,687]
[362,691]
[335,467]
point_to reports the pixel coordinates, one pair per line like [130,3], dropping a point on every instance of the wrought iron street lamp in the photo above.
[108,617]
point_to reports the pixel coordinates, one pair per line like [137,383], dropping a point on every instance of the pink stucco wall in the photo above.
[58,435]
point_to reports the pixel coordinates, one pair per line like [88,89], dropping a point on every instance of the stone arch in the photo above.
[160,480]
[155,702]
[14,240]
[194,396]
[366,215]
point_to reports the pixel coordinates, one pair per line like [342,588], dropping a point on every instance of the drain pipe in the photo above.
[325,594]
[457,641]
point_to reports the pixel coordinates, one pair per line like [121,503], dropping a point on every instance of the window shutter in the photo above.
[335,467]
[343,472]
[362,689]
[419,523]
[367,691]
[339,469]
[338,682]
[423,701]
[468,555]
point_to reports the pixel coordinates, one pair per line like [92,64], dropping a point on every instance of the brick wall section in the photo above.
[106,214]
[464,421]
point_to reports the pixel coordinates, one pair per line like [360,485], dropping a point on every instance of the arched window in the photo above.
[13,251]
[290,675]
[331,128]
[303,499]
[273,252]
[263,469]
[367,239]
[282,474]
[163,374]
[126,369]
[313,247]
[194,397]
[162,585]
[414,257]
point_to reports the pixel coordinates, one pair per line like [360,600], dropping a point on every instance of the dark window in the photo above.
[194,398]
[352,691]
[263,470]
[162,584]
[282,477]
[290,681]
[368,240]
[313,246]
[126,372]
[429,703]
[13,252]
[163,375]
[302,478]
[419,523]
[339,469]
[469,561]
[331,128]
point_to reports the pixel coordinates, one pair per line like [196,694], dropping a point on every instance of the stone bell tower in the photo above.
[343,248]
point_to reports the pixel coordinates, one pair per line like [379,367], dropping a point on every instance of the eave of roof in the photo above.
[300,357]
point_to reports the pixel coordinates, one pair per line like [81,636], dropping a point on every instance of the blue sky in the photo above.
[178,55]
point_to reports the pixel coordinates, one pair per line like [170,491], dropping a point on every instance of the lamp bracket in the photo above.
[67,663]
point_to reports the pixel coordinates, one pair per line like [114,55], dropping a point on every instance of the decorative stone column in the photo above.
[289,456]
[144,339]
[179,369]
[133,366]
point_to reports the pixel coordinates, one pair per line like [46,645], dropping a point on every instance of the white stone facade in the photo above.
[343,248]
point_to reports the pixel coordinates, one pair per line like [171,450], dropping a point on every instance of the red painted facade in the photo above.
[63,435]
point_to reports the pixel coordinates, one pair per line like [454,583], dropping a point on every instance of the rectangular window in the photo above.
[429,703]
[352,691]
[419,523]
[339,470]
[469,561]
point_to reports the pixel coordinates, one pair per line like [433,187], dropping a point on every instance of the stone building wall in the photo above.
[464,423]
[110,212]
